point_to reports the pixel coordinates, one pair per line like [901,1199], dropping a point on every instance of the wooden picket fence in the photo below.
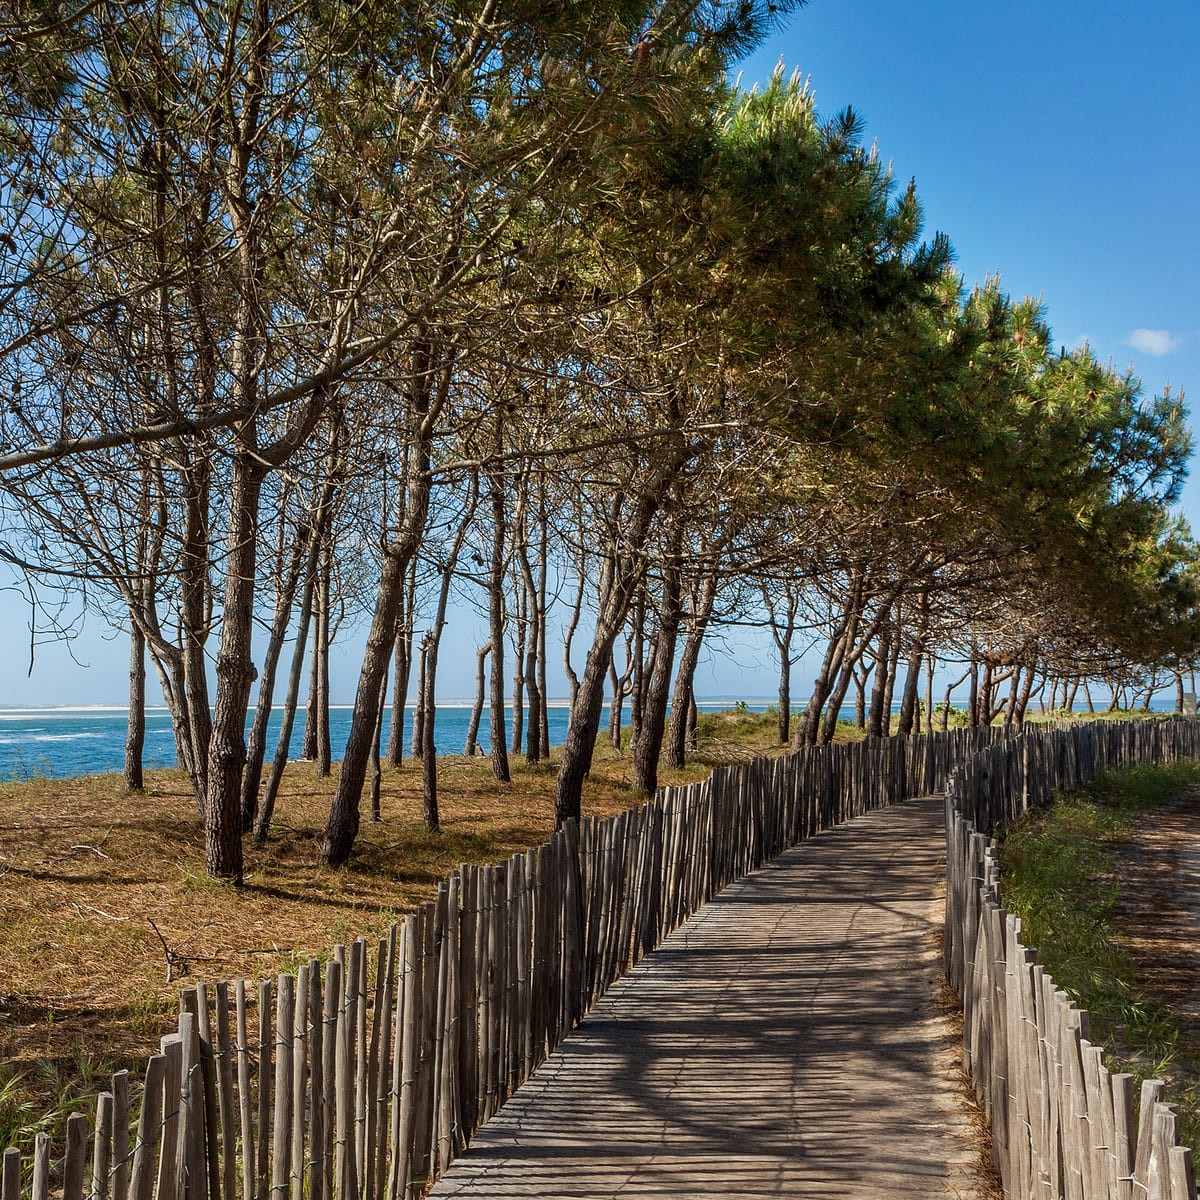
[1063,1125]
[362,1077]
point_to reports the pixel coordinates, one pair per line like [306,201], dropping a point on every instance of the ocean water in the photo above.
[61,743]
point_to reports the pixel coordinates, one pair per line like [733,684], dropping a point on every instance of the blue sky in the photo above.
[1056,143]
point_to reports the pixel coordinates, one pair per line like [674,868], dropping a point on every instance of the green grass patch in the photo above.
[20,1118]
[1061,876]
[738,722]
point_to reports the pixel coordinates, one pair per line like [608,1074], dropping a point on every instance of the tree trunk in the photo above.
[169,669]
[324,618]
[499,750]
[861,678]
[619,582]
[883,654]
[930,666]
[234,666]
[543,611]
[616,706]
[418,724]
[638,668]
[853,651]
[838,696]
[235,674]
[308,742]
[477,708]
[520,645]
[1039,690]
[889,687]
[582,730]
[429,662]
[376,755]
[257,748]
[341,828]
[149,543]
[809,723]
[946,701]
[135,729]
[569,637]
[681,701]
[1052,700]
[266,804]
[647,749]
[429,796]
[403,658]
[912,684]
[316,714]
[320,523]
[194,619]
[784,730]
[984,698]
[782,632]
[910,709]
[998,705]
[534,639]
[533,737]
[1024,694]
[856,641]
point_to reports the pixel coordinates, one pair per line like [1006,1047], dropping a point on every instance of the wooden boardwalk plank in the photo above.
[780,1043]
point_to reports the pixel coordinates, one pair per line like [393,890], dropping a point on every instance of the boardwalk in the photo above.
[779,1044]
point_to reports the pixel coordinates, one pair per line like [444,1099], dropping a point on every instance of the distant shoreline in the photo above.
[38,709]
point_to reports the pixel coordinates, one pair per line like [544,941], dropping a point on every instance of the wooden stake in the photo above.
[41,1167]
[281,1141]
[122,1158]
[245,1098]
[10,1176]
[76,1159]
[141,1180]
[224,1055]
[168,1163]
[262,1173]
[299,1053]
[102,1146]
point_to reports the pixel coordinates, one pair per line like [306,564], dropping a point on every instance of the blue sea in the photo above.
[60,743]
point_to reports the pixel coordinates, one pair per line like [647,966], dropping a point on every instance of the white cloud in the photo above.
[1154,341]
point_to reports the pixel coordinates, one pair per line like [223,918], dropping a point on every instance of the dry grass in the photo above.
[90,872]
